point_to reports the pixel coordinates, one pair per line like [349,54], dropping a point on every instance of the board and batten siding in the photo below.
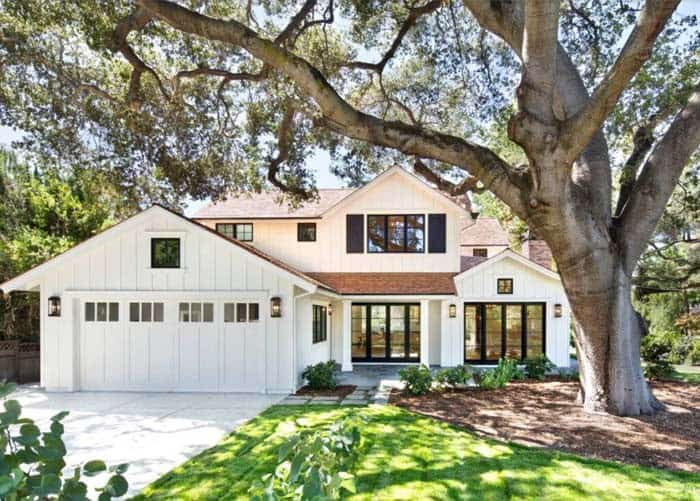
[118,269]
[529,285]
[391,195]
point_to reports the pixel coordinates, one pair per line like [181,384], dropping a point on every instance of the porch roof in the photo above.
[388,283]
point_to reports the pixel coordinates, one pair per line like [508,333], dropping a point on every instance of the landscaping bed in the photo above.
[545,414]
[340,391]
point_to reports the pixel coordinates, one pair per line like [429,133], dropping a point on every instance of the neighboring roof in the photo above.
[388,283]
[485,231]
[266,205]
[467,262]
[507,254]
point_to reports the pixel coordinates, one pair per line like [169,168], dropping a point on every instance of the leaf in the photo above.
[74,490]
[30,430]
[94,467]
[57,428]
[312,486]
[117,486]
[50,484]
[348,482]
[295,469]
[60,416]
[7,388]
[120,468]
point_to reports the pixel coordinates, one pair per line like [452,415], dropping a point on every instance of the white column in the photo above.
[347,337]
[424,332]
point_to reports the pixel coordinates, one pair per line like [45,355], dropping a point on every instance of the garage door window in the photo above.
[146,312]
[101,312]
[241,312]
[196,312]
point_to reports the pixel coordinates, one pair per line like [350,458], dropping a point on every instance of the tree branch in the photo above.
[339,116]
[579,130]
[657,181]
[469,183]
[285,134]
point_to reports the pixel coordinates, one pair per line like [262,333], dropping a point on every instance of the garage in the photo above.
[160,344]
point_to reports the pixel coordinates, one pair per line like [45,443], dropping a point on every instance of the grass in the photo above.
[406,456]
[687,373]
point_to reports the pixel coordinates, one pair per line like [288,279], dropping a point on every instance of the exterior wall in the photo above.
[120,268]
[468,250]
[308,352]
[528,286]
[392,195]
[434,332]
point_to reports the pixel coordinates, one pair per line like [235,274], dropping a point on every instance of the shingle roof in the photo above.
[267,205]
[467,262]
[387,283]
[484,231]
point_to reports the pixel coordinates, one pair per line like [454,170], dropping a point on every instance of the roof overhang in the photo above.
[509,254]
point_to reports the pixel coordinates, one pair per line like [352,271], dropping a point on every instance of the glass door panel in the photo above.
[359,331]
[472,334]
[378,330]
[414,331]
[397,332]
[535,329]
[493,331]
[514,331]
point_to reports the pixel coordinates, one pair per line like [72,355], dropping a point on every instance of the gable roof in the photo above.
[485,231]
[388,283]
[507,254]
[28,276]
[266,205]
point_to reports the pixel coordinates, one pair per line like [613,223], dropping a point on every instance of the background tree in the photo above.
[210,96]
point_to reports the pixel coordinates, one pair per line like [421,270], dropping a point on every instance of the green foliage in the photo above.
[313,464]
[660,369]
[694,352]
[321,376]
[538,366]
[656,347]
[33,461]
[454,376]
[417,379]
[568,374]
[507,370]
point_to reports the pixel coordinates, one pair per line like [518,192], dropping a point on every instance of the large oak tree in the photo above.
[207,96]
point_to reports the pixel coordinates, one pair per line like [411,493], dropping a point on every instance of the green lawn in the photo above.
[405,456]
[687,373]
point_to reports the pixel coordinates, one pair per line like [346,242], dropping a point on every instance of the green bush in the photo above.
[418,379]
[694,352]
[454,376]
[568,374]
[537,367]
[321,376]
[656,347]
[658,370]
[506,370]
[32,462]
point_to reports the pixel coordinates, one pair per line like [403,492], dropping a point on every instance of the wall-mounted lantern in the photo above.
[54,306]
[453,310]
[557,310]
[275,307]
[330,309]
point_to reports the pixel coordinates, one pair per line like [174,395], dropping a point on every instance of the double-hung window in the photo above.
[320,323]
[239,231]
[396,233]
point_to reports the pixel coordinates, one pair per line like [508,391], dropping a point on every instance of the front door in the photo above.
[385,332]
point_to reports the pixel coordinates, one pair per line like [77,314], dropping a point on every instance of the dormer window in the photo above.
[480,252]
[399,233]
[165,253]
[239,231]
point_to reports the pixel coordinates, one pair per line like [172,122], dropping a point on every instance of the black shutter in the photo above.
[355,241]
[437,234]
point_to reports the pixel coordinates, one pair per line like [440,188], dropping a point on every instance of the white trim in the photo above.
[508,253]
[236,294]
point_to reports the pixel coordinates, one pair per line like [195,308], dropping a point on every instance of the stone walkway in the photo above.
[363,395]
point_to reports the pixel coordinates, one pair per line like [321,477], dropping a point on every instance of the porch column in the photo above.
[424,333]
[347,337]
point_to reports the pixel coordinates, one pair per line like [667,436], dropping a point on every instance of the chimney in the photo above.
[538,251]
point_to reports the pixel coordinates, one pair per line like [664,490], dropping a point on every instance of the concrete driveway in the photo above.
[153,432]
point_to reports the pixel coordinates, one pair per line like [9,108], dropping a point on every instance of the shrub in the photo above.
[694,352]
[417,379]
[32,462]
[313,464]
[658,370]
[321,376]
[568,374]
[537,367]
[506,370]
[454,376]
[656,347]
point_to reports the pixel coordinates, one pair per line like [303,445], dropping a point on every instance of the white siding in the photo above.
[308,352]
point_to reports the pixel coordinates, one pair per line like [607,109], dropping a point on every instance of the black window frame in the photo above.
[319,323]
[385,247]
[301,232]
[480,252]
[387,358]
[154,242]
[234,232]
[500,281]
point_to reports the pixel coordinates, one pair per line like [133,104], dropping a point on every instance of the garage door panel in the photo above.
[255,356]
[162,358]
[138,355]
[209,357]
[234,350]
[189,356]
[92,356]
[115,342]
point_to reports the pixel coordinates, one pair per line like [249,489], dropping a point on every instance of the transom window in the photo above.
[306,232]
[241,312]
[480,252]
[146,312]
[165,253]
[239,231]
[196,312]
[101,312]
[396,233]
[504,286]
[320,320]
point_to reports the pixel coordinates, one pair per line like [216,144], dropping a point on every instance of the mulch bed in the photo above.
[342,391]
[545,414]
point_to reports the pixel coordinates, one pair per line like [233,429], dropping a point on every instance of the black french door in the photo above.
[385,332]
[503,330]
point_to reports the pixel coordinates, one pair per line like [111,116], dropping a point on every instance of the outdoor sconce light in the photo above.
[453,310]
[275,307]
[330,310]
[557,310]
[54,306]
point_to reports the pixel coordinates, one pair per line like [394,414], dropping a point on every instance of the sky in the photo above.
[320,162]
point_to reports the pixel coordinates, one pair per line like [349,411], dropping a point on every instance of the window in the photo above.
[196,312]
[239,231]
[241,312]
[480,252]
[146,312]
[504,286]
[306,232]
[165,253]
[400,233]
[101,312]
[319,326]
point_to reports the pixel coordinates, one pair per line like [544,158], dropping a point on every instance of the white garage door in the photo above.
[184,345]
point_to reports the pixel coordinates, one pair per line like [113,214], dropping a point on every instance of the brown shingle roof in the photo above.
[467,262]
[266,205]
[484,231]
[387,283]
